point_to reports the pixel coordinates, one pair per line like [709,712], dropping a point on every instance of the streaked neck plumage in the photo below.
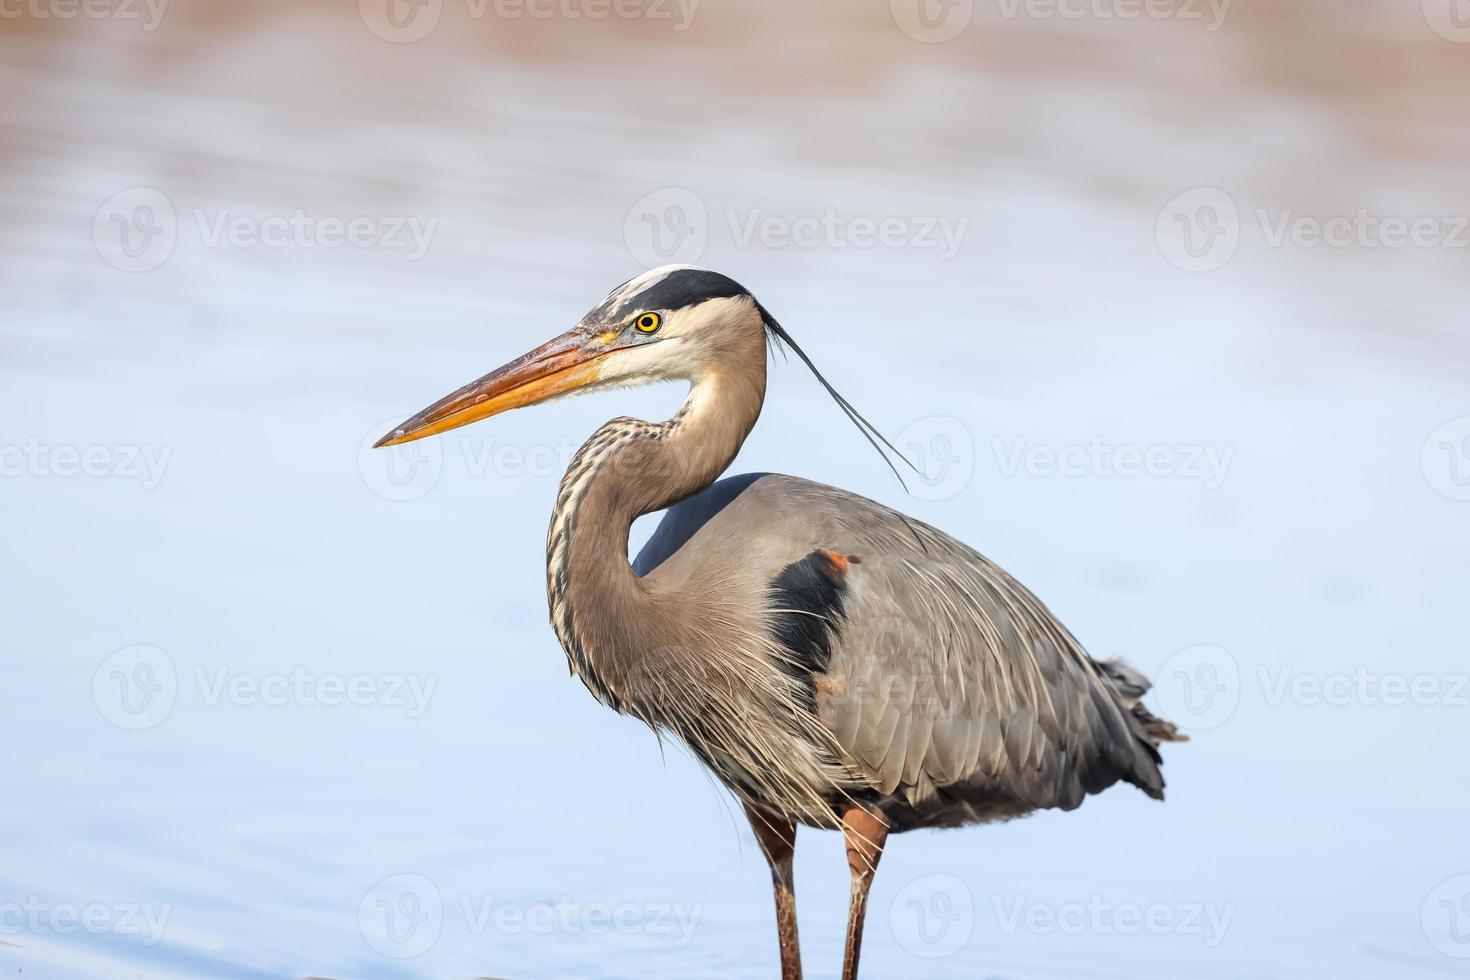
[686,648]
[606,617]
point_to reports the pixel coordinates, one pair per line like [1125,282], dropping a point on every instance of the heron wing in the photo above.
[947,681]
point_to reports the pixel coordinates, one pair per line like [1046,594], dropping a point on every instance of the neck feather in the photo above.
[666,648]
[603,613]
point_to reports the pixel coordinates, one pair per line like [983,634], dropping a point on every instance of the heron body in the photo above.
[833,662]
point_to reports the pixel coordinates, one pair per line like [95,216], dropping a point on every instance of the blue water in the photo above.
[273,708]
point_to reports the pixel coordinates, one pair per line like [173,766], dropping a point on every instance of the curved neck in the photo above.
[603,614]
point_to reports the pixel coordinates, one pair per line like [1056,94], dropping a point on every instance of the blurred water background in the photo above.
[274,705]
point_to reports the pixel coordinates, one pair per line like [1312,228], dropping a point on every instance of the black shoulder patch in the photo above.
[681,288]
[807,599]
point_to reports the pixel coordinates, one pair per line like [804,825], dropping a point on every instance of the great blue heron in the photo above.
[831,661]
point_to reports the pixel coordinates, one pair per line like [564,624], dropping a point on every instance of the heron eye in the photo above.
[648,322]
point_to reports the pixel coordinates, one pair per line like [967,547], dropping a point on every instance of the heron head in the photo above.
[672,323]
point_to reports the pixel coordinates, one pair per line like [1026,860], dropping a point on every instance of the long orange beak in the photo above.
[556,367]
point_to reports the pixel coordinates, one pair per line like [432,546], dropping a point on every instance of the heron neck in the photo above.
[603,613]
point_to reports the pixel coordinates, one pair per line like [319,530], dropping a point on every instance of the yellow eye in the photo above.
[648,322]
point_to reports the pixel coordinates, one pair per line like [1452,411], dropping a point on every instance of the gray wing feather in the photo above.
[952,685]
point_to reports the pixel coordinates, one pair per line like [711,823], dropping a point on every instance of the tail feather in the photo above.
[1157,728]
[1131,687]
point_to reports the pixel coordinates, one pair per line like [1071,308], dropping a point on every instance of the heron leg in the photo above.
[864,833]
[777,838]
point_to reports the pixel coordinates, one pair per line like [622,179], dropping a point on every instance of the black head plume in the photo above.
[778,338]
